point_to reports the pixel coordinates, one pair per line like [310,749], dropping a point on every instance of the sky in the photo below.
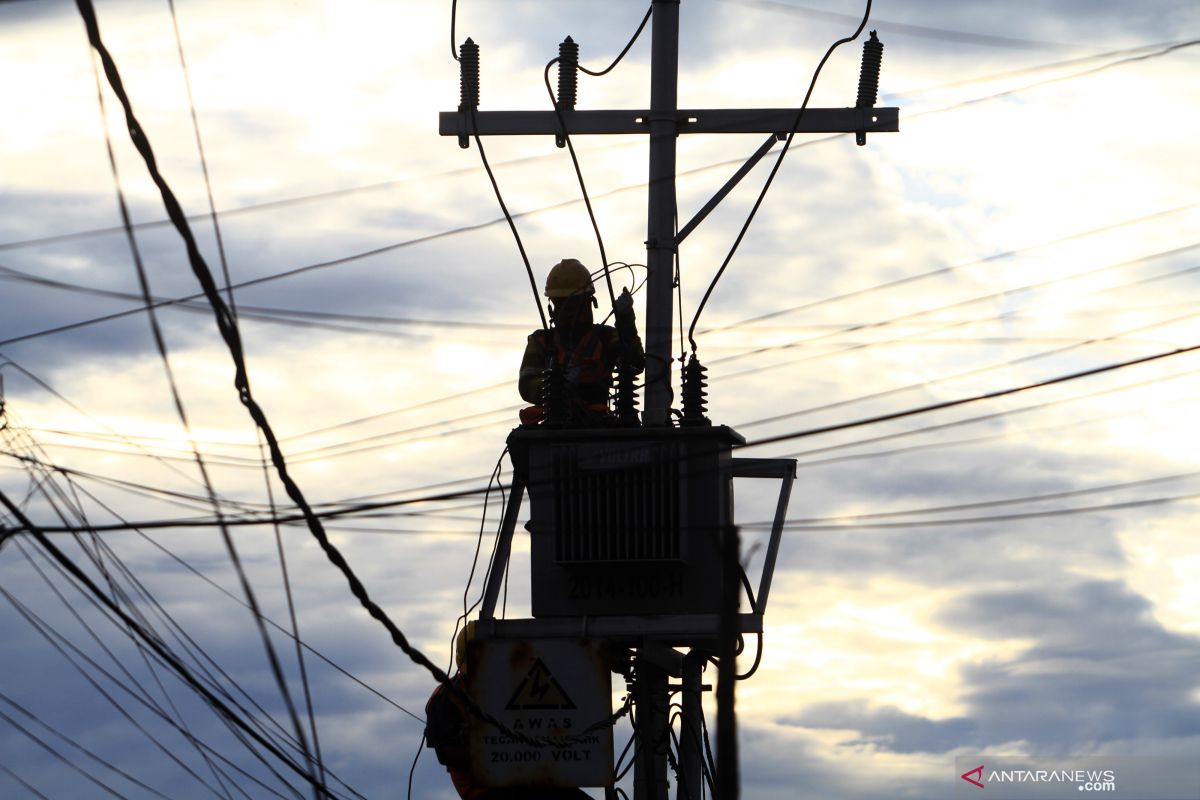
[1013,576]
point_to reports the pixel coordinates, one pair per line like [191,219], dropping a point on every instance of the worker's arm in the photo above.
[445,730]
[632,353]
[532,365]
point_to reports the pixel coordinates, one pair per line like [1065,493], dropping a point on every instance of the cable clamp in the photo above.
[672,246]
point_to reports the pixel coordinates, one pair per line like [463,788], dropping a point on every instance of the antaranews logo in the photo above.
[1084,780]
[977,780]
[981,776]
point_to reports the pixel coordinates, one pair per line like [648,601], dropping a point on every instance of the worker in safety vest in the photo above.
[586,352]
[446,732]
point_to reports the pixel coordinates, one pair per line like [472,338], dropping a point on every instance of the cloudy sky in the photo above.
[1013,576]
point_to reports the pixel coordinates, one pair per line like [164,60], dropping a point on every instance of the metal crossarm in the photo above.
[695,120]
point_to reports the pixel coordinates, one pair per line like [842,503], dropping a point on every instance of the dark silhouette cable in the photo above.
[1052,512]
[134,610]
[288,201]
[977,299]
[971,399]
[774,169]
[994,415]
[33,737]
[212,206]
[977,439]
[945,34]
[559,103]
[160,344]
[229,332]
[46,632]
[1006,501]
[587,201]
[72,743]
[287,588]
[149,639]
[975,371]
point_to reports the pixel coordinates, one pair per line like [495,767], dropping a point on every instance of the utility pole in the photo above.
[663,122]
[646,628]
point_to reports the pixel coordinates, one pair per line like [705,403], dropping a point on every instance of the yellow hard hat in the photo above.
[461,643]
[568,277]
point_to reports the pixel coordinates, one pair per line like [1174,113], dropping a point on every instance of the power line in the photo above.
[557,105]
[971,399]
[360,509]
[774,170]
[205,578]
[229,332]
[851,328]
[59,642]
[1053,512]
[189,644]
[967,373]
[977,439]
[381,185]
[907,279]
[1037,355]
[287,316]
[33,737]
[957,324]
[177,632]
[624,50]
[478,226]
[944,34]
[994,503]
[32,790]
[69,741]
[142,144]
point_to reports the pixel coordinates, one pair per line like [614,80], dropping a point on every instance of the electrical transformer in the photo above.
[627,520]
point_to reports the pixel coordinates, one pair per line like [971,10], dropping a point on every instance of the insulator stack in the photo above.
[626,404]
[868,78]
[568,81]
[468,82]
[554,398]
[695,381]
[568,73]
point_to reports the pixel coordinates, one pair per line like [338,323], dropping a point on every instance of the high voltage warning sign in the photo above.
[539,691]
[552,691]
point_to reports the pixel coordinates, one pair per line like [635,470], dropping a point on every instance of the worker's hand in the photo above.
[623,308]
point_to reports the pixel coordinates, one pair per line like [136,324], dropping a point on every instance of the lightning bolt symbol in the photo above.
[540,686]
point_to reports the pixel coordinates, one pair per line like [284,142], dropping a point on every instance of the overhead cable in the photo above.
[72,743]
[229,332]
[143,146]
[971,399]
[945,34]
[774,170]
[134,605]
[149,639]
[1013,517]
[59,642]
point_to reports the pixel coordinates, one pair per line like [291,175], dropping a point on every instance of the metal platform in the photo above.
[626,528]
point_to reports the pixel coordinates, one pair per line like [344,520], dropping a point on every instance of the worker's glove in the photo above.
[623,311]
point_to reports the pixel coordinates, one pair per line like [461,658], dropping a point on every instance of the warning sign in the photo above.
[552,691]
[539,691]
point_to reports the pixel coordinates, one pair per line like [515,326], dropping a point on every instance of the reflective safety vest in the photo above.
[594,376]
[588,374]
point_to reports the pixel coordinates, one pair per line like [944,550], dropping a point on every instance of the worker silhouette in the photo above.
[584,353]
[446,732]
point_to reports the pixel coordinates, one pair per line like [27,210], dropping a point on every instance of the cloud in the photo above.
[1098,670]
[887,728]
[1012,631]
